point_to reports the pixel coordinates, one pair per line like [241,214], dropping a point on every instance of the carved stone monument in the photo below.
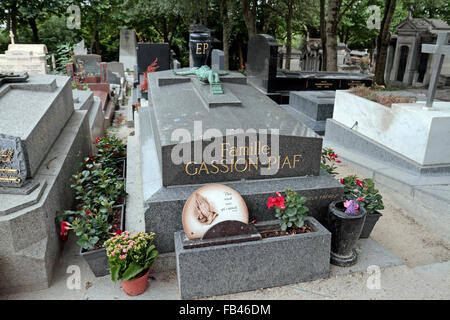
[30,58]
[42,140]
[190,137]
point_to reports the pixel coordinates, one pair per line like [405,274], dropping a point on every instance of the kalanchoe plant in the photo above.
[291,210]
[130,256]
[328,161]
[363,190]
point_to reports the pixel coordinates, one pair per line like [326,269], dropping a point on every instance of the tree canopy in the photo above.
[289,21]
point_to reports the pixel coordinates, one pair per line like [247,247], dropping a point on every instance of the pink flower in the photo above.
[113,254]
[122,256]
[361,199]
[124,250]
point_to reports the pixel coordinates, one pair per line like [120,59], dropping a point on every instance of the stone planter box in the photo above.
[405,128]
[265,263]
[97,259]
[369,224]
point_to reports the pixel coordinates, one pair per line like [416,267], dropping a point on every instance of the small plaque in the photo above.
[211,205]
[13,170]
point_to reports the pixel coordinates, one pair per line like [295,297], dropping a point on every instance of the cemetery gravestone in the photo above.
[80,48]
[42,141]
[217,60]
[439,50]
[148,52]
[25,58]
[262,72]
[312,108]
[127,53]
[252,164]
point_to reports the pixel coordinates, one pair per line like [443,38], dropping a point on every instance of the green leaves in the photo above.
[295,212]
[132,271]
[354,188]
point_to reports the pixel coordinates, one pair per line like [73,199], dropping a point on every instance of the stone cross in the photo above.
[11,35]
[440,49]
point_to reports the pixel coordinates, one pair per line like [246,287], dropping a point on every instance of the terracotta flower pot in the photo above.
[136,286]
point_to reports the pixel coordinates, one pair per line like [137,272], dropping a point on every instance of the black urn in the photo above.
[200,44]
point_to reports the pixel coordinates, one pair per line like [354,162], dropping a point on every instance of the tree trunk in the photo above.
[241,53]
[323,35]
[383,41]
[13,12]
[249,14]
[334,7]
[95,41]
[205,12]
[290,4]
[226,32]
[33,25]
[266,24]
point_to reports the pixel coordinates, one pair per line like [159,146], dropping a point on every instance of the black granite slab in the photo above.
[148,52]
[262,72]
[178,108]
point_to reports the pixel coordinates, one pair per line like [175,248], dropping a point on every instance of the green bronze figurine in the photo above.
[205,74]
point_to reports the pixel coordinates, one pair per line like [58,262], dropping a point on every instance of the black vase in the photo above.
[369,224]
[200,44]
[345,231]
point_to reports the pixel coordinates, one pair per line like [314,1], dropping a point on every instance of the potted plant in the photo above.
[93,228]
[328,161]
[370,199]
[111,153]
[130,258]
[100,203]
[345,222]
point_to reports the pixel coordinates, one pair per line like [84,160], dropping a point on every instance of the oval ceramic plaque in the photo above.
[210,205]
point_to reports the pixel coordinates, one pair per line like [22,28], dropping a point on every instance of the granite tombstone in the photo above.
[148,52]
[262,72]
[241,138]
[42,141]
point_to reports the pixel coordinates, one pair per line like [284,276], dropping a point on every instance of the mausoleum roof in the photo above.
[422,24]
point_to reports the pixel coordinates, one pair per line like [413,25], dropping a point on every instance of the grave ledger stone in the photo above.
[255,146]
[262,72]
[42,140]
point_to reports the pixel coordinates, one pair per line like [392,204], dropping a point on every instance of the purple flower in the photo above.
[352,207]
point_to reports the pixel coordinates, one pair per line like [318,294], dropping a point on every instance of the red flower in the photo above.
[359,183]
[115,152]
[338,161]
[360,199]
[342,181]
[118,232]
[97,139]
[88,212]
[64,230]
[277,202]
